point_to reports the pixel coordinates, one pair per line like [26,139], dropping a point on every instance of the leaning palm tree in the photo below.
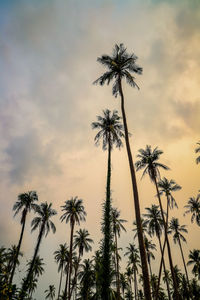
[117,226]
[193,207]
[194,257]
[50,292]
[149,161]
[83,243]
[74,212]
[120,66]
[111,132]
[62,258]
[45,212]
[176,229]
[25,203]
[197,150]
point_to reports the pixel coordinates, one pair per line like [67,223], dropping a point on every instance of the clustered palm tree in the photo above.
[104,276]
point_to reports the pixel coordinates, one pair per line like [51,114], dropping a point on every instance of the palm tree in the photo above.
[148,160]
[62,258]
[117,226]
[194,257]
[144,227]
[12,255]
[111,132]
[193,207]
[134,262]
[43,222]
[177,229]
[149,248]
[86,276]
[25,203]
[82,242]
[37,268]
[74,212]
[197,150]
[155,225]
[120,66]
[50,292]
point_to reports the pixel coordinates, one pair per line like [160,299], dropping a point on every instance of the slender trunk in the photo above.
[26,282]
[60,281]
[149,263]
[18,248]
[117,260]
[143,257]
[107,232]
[66,282]
[163,250]
[176,293]
[67,290]
[186,273]
[167,283]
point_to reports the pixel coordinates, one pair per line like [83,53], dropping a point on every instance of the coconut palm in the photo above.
[176,229]
[117,226]
[74,212]
[193,207]
[86,276]
[110,132]
[120,66]
[155,226]
[194,257]
[37,268]
[144,227]
[45,212]
[149,248]
[25,203]
[62,258]
[134,263]
[12,258]
[50,292]
[197,150]
[149,161]
[83,243]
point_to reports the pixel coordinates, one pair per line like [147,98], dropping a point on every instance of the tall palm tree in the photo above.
[197,150]
[155,227]
[37,268]
[134,262]
[194,257]
[193,207]
[111,132]
[74,212]
[149,248]
[12,258]
[45,212]
[83,243]
[62,258]
[149,161]
[50,292]
[86,276]
[176,229]
[167,187]
[25,203]
[120,66]
[117,226]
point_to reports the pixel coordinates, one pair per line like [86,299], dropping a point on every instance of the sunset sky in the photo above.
[48,52]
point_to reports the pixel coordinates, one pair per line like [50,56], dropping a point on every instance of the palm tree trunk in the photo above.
[186,273]
[163,250]
[107,232]
[167,283]
[176,293]
[117,265]
[18,248]
[26,282]
[67,291]
[60,282]
[66,282]
[143,256]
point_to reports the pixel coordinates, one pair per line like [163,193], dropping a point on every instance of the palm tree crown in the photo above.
[197,150]
[193,207]
[154,220]
[25,202]
[74,211]
[82,241]
[120,65]
[111,129]
[167,187]
[148,160]
[177,229]
[194,257]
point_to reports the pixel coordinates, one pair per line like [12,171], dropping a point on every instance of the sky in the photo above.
[48,102]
